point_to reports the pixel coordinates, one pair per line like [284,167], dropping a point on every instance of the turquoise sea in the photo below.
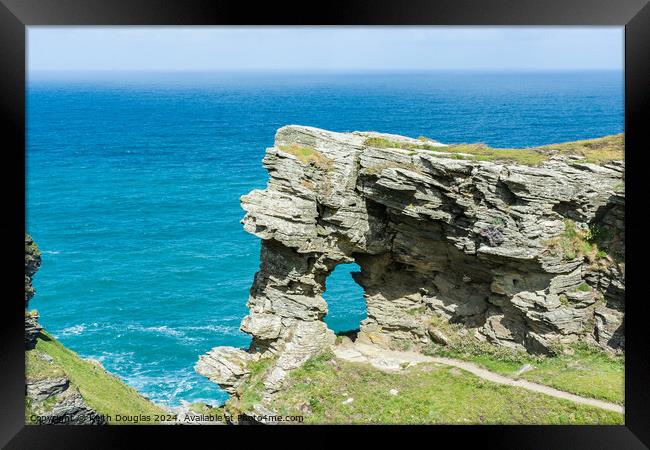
[133,186]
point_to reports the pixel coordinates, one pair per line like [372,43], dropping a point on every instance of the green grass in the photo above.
[308,156]
[102,391]
[386,143]
[576,243]
[597,151]
[427,394]
[589,372]
[584,287]
[481,152]
[250,392]
[475,152]
[39,369]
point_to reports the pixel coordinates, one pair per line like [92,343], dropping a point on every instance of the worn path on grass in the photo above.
[393,360]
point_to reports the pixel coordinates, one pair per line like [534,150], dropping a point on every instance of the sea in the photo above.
[133,183]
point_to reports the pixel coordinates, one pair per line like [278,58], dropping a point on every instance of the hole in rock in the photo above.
[345,303]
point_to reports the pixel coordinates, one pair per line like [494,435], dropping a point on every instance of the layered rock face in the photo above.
[438,237]
[32,264]
[56,402]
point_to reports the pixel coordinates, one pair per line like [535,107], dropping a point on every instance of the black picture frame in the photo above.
[15,15]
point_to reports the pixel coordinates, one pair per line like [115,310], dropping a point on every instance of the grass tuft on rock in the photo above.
[250,393]
[576,243]
[308,156]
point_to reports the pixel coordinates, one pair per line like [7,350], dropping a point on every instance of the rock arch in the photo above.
[345,300]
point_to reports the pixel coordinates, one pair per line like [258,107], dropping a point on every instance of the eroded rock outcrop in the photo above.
[506,249]
[32,264]
[54,401]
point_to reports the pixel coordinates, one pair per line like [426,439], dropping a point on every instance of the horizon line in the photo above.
[322,70]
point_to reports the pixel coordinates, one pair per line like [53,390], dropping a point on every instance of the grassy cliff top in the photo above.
[335,391]
[596,151]
[328,390]
[102,391]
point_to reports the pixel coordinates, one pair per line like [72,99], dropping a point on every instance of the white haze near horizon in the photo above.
[75,49]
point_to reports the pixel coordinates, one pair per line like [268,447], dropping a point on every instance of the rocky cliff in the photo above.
[32,264]
[523,247]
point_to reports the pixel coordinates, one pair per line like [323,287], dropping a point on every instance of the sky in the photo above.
[323,48]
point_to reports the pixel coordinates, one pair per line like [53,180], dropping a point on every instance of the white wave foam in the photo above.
[164,329]
[230,330]
[74,330]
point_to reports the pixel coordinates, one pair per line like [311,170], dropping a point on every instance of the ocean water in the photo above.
[133,186]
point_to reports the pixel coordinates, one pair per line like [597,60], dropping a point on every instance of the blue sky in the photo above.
[324,48]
